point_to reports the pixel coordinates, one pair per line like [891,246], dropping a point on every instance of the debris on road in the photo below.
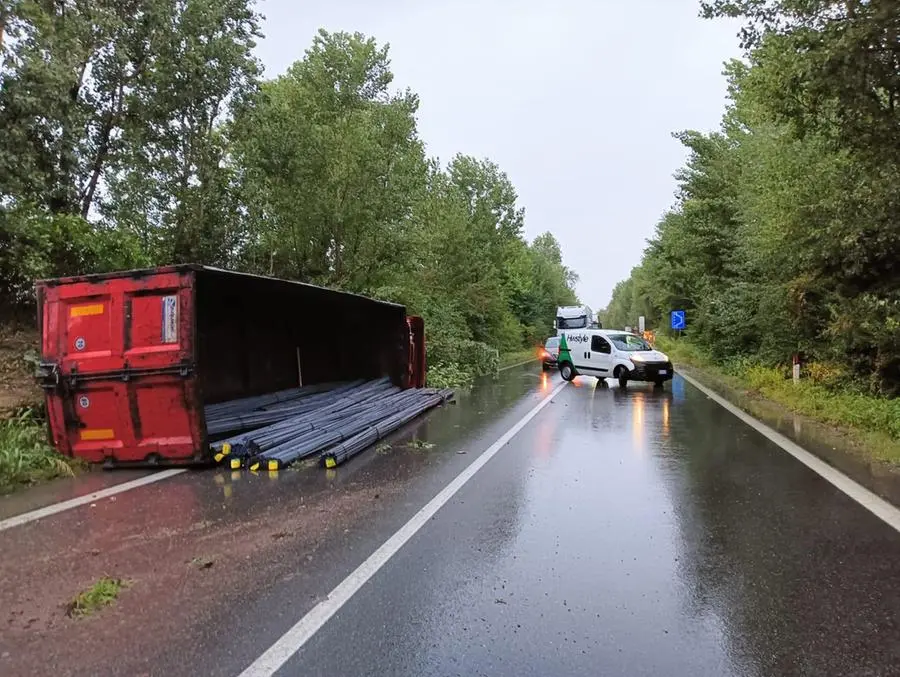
[202,562]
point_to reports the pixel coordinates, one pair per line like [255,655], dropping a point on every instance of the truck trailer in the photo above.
[129,360]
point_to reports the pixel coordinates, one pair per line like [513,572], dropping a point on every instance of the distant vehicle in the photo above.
[575,317]
[550,352]
[613,353]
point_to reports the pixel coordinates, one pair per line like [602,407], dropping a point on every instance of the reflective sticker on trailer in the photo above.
[94,434]
[84,311]
[170,319]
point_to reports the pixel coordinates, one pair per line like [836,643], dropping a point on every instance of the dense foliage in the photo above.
[138,132]
[785,236]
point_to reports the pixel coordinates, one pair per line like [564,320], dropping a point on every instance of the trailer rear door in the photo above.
[118,367]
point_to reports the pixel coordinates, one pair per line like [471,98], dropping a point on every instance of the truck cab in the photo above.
[606,353]
[575,317]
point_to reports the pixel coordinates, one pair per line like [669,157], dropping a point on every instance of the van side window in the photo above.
[600,345]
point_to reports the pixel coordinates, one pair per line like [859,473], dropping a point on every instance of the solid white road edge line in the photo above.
[33,515]
[294,639]
[513,366]
[870,501]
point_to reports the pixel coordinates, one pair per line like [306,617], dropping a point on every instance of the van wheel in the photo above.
[623,381]
[621,373]
[659,384]
[567,371]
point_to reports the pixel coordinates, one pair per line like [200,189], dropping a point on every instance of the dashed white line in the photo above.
[870,501]
[62,506]
[294,639]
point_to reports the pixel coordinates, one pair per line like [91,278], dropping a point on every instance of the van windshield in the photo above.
[628,342]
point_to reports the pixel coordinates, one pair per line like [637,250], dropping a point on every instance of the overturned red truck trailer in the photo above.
[130,359]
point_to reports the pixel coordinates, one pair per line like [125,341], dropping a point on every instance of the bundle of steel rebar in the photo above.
[290,431]
[274,432]
[370,435]
[241,419]
[335,432]
[337,404]
[245,404]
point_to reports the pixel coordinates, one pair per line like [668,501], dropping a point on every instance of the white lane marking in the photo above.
[294,639]
[62,506]
[870,501]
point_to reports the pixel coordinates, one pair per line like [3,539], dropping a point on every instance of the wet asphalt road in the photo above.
[621,532]
[630,532]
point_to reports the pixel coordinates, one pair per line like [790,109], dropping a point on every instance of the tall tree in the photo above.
[112,105]
[332,165]
[784,236]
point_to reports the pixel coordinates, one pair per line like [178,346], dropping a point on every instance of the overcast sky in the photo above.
[575,100]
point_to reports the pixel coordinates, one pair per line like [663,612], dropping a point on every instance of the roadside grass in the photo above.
[872,422]
[101,594]
[518,357]
[25,455]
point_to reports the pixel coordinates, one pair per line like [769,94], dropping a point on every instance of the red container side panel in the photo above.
[118,364]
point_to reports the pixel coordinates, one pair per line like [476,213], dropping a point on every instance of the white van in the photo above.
[613,353]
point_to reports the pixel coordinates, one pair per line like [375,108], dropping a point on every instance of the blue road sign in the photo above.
[677,319]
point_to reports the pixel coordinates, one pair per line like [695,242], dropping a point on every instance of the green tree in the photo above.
[332,165]
[110,111]
[138,134]
[784,237]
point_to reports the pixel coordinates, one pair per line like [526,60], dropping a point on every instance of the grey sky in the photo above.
[576,102]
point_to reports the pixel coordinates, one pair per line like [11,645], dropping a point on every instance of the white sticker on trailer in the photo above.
[170,319]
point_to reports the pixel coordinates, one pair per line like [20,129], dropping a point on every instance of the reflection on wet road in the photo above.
[620,532]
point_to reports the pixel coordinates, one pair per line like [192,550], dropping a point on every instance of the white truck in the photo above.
[575,317]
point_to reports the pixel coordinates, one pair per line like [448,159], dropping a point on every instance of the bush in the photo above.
[36,244]
[449,376]
[478,358]
[866,412]
[25,455]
